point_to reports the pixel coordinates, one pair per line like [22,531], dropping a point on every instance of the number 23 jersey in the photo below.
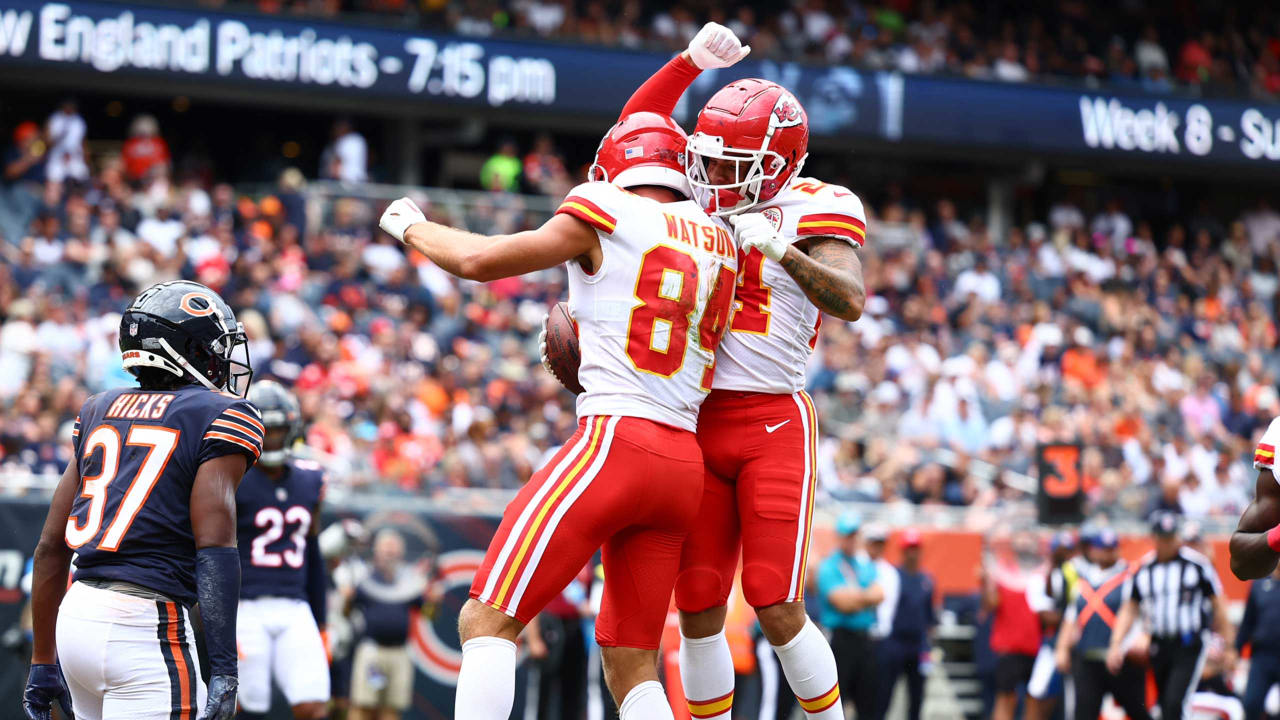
[774,326]
[138,452]
[273,527]
[650,317]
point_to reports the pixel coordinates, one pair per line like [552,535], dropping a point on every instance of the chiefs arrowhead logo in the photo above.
[774,216]
[787,112]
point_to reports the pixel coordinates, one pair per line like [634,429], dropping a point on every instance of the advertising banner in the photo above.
[435,70]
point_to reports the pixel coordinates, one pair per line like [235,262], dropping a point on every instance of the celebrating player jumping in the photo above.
[651,277]
[758,428]
[148,506]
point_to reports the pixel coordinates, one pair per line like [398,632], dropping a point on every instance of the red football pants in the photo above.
[627,484]
[761,464]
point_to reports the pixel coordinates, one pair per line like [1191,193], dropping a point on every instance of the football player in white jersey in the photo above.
[758,428]
[651,280]
[1255,545]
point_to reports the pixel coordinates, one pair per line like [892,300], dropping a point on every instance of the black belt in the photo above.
[1187,640]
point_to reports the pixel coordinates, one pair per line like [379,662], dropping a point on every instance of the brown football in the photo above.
[562,347]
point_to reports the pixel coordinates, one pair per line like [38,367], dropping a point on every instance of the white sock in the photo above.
[646,701]
[706,669]
[487,680]
[810,667]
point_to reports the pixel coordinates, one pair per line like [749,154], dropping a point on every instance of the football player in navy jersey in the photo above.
[282,580]
[148,507]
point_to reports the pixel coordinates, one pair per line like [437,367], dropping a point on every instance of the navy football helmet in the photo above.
[279,409]
[184,329]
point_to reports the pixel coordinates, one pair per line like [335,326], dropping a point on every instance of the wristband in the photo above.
[218,590]
[1273,538]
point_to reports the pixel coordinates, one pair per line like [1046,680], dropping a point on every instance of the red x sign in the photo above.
[1096,600]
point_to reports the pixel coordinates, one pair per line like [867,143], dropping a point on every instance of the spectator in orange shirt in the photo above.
[1079,363]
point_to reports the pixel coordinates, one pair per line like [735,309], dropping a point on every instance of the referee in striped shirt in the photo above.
[1178,593]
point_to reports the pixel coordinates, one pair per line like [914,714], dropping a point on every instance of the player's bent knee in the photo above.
[699,589]
[625,668]
[311,711]
[781,622]
[762,586]
[703,624]
[479,620]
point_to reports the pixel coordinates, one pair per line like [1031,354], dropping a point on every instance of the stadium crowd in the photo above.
[1155,348]
[1231,48]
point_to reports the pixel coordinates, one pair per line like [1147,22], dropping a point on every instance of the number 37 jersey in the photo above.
[774,326]
[651,316]
[138,452]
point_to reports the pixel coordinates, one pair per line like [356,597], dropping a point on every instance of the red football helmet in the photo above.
[643,148]
[760,132]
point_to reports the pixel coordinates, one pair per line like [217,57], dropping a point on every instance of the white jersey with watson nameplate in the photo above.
[649,319]
[774,326]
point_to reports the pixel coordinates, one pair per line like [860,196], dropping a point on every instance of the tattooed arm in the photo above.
[830,274]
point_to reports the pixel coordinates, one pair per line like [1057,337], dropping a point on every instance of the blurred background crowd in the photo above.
[1019,295]
[1211,48]
[1146,334]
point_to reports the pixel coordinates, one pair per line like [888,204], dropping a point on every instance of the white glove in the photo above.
[398,216]
[753,230]
[715,46]
[542,346]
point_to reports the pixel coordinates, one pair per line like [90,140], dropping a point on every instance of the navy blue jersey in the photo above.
[273,526]
[138,452]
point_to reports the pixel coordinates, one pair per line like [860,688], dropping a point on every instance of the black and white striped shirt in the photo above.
[1175,595]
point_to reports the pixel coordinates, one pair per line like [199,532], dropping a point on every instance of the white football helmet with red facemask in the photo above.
[643,148]
[752,138]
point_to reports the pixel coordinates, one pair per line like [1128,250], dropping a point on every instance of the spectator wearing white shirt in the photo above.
[347,157]
[1263,225]
[1149,53]
[913,361]
[999,376]
[1177,460]
[162,231]
[978,281]
[1008,68]
[967,431]
[546,17]
[1048,261]
[66,131]
[876,535]
[1066,215]
[1114,224]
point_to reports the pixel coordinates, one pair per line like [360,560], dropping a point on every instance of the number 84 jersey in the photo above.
[774,326]
[651,316]
[273,526]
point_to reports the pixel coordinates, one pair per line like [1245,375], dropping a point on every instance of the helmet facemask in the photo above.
[237,366]
[759,173]
[279,430]
[228,369]
[751,168]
